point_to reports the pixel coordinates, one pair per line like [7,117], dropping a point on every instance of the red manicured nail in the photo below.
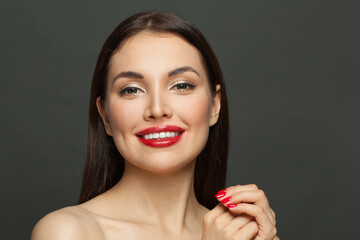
[221,191]
[231,205]
[220,195]
[226,200]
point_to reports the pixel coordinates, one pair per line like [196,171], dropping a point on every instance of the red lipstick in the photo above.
[160,142]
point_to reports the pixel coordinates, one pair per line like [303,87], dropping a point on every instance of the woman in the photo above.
[157,144]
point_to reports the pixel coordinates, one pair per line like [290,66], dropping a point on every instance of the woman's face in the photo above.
[159,106]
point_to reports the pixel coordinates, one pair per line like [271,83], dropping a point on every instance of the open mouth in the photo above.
[160,135]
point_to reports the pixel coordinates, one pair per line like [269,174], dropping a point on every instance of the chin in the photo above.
[163,165]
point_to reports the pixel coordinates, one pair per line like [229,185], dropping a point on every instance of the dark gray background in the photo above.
[291,69]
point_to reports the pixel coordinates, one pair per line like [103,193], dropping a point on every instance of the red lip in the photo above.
[160,142]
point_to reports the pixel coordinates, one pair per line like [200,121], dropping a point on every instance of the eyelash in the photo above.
[187,85]
[126,90]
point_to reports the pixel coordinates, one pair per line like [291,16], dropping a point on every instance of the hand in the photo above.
[250,200]
[245,215]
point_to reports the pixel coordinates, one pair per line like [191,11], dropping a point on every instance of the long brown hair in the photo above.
[104,165]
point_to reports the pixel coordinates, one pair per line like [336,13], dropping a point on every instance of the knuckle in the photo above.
[253,186]
[260,210]
[207,219]
[273,213]
[262,194]
[217,221]
[274,231]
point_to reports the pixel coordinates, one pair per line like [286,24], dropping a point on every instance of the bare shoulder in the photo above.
[67,223]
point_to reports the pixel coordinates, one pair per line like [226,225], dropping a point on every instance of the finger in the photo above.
[234,189]
[241,187]
[218,210]
[266,227]
[257,197]
[223,220]
[236,224]
[250,196]
[247,196]
[238,195]
[249,231]
[215,212]
[273,215]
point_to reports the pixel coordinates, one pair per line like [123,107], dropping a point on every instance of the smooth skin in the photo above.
[155,198]
[243,213]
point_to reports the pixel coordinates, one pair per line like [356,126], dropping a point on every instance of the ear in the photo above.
[215,107]
[102,112]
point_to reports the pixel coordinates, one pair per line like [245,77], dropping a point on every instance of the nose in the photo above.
[158,107]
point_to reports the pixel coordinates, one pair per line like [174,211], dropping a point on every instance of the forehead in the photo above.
[148,52]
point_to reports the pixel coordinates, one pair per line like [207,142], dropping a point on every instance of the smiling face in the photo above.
[158,106]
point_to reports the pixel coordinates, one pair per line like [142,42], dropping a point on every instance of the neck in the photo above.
[166,200]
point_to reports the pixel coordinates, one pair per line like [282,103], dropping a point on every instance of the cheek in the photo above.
[195,114]
[123,115]
[195,111]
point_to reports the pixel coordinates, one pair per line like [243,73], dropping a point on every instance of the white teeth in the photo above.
[161,135]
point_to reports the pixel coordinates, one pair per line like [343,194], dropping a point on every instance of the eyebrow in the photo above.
[182,70]
[128,74]
[136,75]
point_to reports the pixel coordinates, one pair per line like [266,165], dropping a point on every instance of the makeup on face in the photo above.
[159,102]
[160,136]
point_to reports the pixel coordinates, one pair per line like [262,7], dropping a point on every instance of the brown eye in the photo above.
[183,86]
[130,91]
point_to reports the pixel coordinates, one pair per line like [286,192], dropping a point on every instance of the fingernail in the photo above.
[226,200]
[231,205]
[220,195]
[221,191]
